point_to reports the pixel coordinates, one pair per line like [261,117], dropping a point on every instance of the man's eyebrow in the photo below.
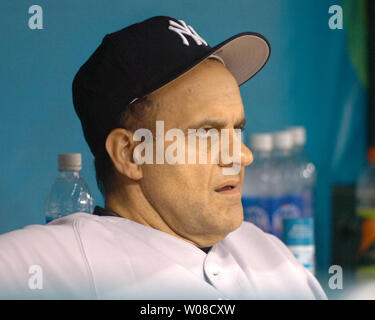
[217,123]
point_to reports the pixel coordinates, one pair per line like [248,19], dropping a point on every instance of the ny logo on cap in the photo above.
[182,29]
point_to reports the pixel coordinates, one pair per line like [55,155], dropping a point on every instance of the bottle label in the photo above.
[257,210]
[268,213]
[289,206]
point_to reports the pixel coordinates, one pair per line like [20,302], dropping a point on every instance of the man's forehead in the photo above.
[191,98]
[198,83]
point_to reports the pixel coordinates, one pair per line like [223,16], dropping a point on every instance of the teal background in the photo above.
[309,80]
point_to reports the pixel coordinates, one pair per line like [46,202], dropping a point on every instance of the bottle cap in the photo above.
[261,142]
[70,162]
[299,135]
[283,140]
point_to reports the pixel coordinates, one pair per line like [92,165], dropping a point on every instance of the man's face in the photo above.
[187,196]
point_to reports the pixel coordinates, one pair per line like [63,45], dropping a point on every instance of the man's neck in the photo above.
[132,205]
[142,212]
[99,211]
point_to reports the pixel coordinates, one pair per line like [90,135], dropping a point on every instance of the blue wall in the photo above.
[309,80]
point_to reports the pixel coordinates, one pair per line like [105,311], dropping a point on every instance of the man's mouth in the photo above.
[229,187]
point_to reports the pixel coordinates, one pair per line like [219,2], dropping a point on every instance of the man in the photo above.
[168,230]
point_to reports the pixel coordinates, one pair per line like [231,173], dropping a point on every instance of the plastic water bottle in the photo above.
[298,236]
[287,199]
[365,209]
[306,171]
[69,193]
[258,183]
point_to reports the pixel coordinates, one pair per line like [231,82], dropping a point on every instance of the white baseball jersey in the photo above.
[84,256]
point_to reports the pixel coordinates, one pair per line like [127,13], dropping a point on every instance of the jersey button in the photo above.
[215,272]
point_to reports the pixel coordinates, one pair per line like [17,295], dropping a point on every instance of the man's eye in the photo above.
[202,132]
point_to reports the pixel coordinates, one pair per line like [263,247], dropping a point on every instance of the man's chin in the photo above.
[231,221]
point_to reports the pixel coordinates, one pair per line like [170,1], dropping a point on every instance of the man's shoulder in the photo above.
[248,230]
[54,249]
[65,234]
[61,231]
[42,235]
[266,255]
[249,238]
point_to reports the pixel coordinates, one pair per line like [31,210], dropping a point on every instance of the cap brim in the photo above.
[244,55]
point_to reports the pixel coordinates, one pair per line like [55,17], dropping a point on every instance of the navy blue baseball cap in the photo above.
[139,59]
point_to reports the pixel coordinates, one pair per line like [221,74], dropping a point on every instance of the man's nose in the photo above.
[246,155]
[243,153]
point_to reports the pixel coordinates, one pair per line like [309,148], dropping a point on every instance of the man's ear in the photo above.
[120,146]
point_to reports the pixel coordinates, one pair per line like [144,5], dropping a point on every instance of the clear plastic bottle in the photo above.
[69,193]
[258,182]
[306,171]
[287,200]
